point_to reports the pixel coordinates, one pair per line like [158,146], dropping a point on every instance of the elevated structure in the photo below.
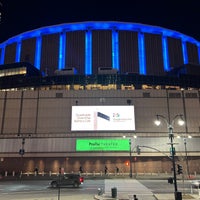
[126,74]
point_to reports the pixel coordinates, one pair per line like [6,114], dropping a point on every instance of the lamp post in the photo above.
[130,159]
[186,153]
[171,137]
[186,157]
[130,155]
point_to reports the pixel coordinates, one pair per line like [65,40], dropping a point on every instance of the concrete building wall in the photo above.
[43,120]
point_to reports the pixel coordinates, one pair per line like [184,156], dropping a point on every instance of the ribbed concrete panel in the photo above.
[51,145]
[51,113]
[192,107]
[54,116]
[10,53]
[29,116]
[50,53]
[192,52]
[146,110]
[176,107]
[28,50]
[12,116]
[2,94]
[10,145]
[75,50]
[47,94]
[154,52]
[101,49]
[1,112]
[14,95]
[62,145]
[156,94]
[31,94]
[175,52]
[128,52]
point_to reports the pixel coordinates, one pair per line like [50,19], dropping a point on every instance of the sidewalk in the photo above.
[126,189]
[154,197]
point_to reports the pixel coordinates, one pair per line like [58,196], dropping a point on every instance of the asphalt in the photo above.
[122,188]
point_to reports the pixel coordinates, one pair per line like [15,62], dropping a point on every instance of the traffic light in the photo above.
[138,150]
[180,169]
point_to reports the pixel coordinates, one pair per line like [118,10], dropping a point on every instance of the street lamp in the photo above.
[130,155]
[130,160]
[171,137]
[186,153]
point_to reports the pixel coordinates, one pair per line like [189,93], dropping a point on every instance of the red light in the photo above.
[127,163]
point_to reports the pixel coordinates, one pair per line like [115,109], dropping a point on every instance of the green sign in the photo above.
[102,145]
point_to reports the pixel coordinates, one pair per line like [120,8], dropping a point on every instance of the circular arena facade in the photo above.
[127,47]
[85,76]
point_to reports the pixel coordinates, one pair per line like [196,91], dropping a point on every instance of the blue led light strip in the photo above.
[185,55]
[88,52]
[142,57]
[38,52]
[2,55]
[115,50]
[165,54]
[18,51]
[61,59]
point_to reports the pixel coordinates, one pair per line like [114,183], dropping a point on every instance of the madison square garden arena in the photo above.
[96,94]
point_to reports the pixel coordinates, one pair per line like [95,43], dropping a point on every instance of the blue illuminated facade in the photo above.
[88,28]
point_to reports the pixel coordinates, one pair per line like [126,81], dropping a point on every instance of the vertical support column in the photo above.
[18,51]
[88,52]
[2,57]
[199,52]
[165,53]
[62,51]
[185,55]
[115,49]
[142,56]
[38,52]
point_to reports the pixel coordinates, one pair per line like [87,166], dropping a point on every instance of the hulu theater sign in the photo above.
[102,145]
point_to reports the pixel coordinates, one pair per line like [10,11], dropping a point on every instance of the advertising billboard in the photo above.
[103,118]
[102,145]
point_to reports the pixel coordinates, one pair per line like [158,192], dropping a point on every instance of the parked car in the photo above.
[67,179]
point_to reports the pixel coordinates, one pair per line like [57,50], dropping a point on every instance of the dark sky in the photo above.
[18,16]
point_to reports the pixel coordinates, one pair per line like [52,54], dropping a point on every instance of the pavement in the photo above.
[132,189]
[122,188]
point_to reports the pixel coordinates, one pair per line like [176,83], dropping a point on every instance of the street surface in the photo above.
[39,189]
[25,189]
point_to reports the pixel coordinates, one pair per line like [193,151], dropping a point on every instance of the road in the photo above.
[39,189]
[26,189]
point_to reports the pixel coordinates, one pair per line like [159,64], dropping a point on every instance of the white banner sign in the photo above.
[102,118]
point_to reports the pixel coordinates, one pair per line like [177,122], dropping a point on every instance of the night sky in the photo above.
[18,16]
